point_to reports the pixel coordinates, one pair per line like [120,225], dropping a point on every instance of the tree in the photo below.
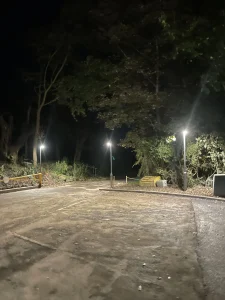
[206,156]
[51,65]
[15,146]
[6,127]
[148,66]
[153,154]
[145,78]
[46,87]
[9,145]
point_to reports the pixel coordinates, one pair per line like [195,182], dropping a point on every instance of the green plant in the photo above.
[61,167]
[80,171]
[151,153]
[206,155]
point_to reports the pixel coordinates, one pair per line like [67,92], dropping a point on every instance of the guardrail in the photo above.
[131,178]
[21,178]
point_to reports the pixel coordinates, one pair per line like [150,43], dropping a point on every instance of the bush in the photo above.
[17,170]
[169,175]
[77,171]
[60,171]
[61,167]
[80,171]
[206,156]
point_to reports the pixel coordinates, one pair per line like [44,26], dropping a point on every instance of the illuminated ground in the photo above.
[79,243]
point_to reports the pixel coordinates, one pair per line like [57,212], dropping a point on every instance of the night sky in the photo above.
[18,21]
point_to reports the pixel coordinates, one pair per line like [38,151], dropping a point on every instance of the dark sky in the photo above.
[17,21]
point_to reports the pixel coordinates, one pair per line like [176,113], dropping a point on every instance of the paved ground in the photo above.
[210,219]
[79,243]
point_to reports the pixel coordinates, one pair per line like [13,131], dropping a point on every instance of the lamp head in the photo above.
[42,146]
[109,144]
[185,132]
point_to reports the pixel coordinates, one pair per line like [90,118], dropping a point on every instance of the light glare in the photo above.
[109,144]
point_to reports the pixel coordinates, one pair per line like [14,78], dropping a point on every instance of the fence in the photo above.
[130,180]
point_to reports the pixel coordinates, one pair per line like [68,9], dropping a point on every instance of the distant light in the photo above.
[109,144]
[174,139]
[185,132]
[42,146]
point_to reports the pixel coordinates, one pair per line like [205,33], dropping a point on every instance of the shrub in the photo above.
[61,167]
[80,171]
[58,172]
[16,170]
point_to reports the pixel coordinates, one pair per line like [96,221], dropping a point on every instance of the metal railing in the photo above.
[38,177]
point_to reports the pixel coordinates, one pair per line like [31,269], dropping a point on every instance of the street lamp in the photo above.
[185,132]
[42,147]
[109,144]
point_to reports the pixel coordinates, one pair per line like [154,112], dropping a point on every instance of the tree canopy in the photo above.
[156,67]
[148,66]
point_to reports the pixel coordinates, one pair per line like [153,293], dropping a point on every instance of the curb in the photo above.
[7,191]
[165,194]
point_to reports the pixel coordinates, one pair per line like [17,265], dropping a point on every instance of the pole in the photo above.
[185,163]
[111,173]
[40,158]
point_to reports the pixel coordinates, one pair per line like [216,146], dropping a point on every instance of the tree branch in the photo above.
[122,51]
[52,101]
[53,81]
[59,71]
[47,66]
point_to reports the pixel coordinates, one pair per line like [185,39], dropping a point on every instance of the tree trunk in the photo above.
[45,87]
[6,128]
[15,147]
[79,148]
[157,85]
[28,121]
[36,133]
[78,151]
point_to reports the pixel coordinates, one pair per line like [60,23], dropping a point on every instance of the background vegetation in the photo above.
[147,68]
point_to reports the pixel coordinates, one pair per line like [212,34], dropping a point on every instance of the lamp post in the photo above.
[109,144]
[185,161]
[41,148]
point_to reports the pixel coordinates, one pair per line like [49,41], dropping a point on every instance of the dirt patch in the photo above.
[195,191]
[107,247]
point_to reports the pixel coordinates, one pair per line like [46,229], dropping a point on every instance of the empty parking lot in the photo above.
[77,242]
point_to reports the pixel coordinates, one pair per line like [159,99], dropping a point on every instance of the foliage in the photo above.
[77,171]
[156,156]
[152,64]
[80,171]
[153,154]
[206,156]
[147,65]
[16,170]
[61,167]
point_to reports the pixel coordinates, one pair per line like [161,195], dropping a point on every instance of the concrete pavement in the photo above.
[57,243]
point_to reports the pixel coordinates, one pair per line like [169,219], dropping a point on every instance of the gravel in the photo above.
[195,191]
